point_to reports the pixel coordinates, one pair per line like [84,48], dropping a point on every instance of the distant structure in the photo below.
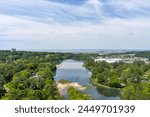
[109,60]
[13,49]
[119,59]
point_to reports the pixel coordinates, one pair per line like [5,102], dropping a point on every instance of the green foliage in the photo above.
[28,75]
[137,92]
[63,81]
[76,95]
[2,82]
[133,78]
[114,82]
[144,54]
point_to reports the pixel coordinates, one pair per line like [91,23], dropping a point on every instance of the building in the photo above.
[126,60]
[109,60]
[13,49]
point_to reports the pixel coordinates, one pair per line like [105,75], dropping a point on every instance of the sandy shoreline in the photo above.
[63,87]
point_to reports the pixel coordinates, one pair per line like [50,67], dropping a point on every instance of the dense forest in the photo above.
[133,79]
[144,54]
[29,75]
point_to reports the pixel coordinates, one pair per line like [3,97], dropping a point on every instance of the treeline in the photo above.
[29,75]
[133,79]
[144,54]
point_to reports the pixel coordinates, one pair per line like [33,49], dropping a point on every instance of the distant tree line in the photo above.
[144,54]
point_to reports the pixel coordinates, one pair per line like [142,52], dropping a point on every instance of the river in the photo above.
[74,71]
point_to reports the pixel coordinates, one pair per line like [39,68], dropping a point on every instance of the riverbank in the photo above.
[105,86]
[72,74]
[75,85]
[64,86]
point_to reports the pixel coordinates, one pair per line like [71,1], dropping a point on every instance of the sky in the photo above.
[75,24]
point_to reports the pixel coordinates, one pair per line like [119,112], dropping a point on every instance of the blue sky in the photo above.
[75,24]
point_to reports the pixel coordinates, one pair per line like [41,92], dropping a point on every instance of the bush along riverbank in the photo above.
[74,94]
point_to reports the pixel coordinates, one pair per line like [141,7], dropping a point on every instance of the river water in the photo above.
[75,72]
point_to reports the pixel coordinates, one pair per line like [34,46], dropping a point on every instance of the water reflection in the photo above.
[108,91]
[74,71]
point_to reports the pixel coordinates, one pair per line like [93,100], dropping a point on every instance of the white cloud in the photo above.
[97,5]
[48,11]
[105,35]
[130,5]
[61,25]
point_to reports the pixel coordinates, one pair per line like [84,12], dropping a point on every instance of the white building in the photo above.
[109,60]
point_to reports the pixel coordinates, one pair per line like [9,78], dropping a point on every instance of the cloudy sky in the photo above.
[75,24]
